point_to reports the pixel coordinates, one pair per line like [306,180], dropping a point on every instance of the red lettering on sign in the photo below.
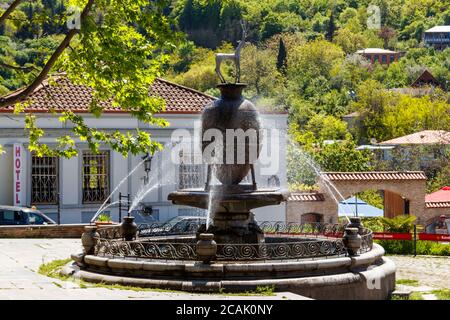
[392,236]
[17,151]
[17,199]
[434,237]
[18,163]
[17,174]
[17,186]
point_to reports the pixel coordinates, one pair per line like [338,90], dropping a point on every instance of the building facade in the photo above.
[437,37]
[379,55]
[88,180]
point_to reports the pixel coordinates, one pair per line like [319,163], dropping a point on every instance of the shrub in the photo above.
[398,224]
[422,247]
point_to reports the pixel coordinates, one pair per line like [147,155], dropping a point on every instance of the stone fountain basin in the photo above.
[229,200]
[330,278]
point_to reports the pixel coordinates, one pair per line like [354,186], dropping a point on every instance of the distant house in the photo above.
[425,84]
[437,142]
[381,56]
[425,79]
[426,137]
[437,37]
[438,203]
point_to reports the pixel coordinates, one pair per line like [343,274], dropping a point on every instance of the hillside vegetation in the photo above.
[300,57]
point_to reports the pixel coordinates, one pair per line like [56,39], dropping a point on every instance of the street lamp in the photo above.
[147,166]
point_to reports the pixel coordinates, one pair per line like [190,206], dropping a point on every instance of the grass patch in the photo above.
[259,291]
[52,269]
[416,296]
[408,282]
[443,294]
[122,287]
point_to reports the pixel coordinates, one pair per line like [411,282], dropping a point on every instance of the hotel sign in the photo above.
[19,167]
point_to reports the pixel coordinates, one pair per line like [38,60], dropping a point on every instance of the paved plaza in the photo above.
[20,260]
[429,271]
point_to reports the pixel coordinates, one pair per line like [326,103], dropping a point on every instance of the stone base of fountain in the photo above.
[235,228]
[366,276]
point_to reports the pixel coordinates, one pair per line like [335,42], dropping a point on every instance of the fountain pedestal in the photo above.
[232,218]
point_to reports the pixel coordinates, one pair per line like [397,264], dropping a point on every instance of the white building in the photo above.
[84,182]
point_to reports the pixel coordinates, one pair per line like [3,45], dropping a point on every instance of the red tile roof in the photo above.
[305,197]
[442,195]
[65,94]
[422,137]
[375,175]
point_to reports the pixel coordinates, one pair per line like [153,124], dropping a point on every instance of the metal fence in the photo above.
[283,241]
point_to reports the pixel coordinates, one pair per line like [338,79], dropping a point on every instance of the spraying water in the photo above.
[152,184]
[102,207]
[112,204]
[211,196]
[299,155]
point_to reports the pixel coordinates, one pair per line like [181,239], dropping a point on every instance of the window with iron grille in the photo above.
[95,176]
[191,174]
[44,180]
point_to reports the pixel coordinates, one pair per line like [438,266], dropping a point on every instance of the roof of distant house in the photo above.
[425,78]
[354,114]
[306,196]
[374,175]
[63,94]
[376,51]
[438,199]
[429,137]
[439,29]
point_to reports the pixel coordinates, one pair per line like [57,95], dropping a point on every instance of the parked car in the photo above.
[174,226]
[13,216]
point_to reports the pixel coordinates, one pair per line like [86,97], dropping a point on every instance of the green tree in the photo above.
[282,58]
[118,57]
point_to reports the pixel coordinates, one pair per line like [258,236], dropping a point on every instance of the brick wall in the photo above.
[43,231]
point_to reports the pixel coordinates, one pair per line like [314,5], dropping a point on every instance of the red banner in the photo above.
[434,237]
[392,236]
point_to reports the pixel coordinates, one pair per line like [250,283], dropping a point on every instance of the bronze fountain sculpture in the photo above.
[232,201]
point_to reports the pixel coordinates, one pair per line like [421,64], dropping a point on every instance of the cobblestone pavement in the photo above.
[20,259]
[430,271]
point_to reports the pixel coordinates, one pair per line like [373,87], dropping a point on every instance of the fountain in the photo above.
[232,252]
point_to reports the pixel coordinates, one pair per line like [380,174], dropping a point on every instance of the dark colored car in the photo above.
[13,216]
[174,226]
